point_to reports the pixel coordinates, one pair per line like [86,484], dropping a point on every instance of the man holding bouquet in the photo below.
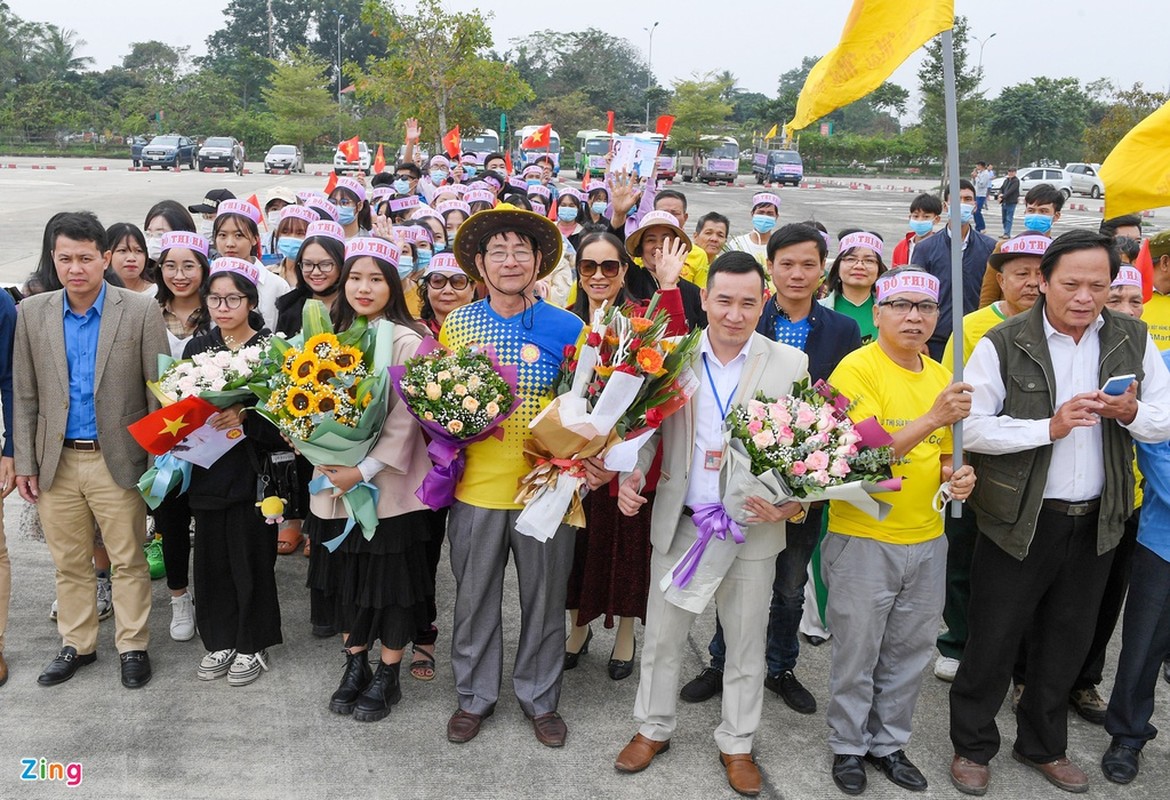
[733,363]
[886,578]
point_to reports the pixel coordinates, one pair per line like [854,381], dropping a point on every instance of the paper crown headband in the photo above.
[861,239]
[760,198]
[345,182]
[480,196]
[901,281]
[454,205]
[237,265]
[241,207]
[299,212]
[1128,276]
[370,246]
[415,234]
[326,228]
[444,263]
[404,203]
[190,241]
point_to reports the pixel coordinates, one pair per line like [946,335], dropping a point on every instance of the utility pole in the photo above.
[271,37]
[649,70]
[340,19]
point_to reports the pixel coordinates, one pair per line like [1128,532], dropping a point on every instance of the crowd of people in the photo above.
[1059,521]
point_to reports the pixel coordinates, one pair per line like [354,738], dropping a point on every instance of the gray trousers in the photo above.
[885,604]
[481,539]
[742,599]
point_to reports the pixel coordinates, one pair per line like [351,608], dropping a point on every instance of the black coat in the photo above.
[641,285]
[831,337]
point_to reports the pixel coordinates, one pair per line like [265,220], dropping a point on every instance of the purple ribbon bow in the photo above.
[711,520]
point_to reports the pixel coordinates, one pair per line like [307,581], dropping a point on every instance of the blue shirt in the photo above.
[1154,523]
[81,344]
[793,334]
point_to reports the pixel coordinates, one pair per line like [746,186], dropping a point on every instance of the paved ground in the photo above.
[183,738]
[28,197]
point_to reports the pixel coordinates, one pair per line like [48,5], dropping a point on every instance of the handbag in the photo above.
[277,476]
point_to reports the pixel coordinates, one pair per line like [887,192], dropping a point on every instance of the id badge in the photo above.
[713,460]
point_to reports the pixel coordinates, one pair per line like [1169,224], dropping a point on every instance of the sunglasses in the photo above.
[438,281]
[588,268]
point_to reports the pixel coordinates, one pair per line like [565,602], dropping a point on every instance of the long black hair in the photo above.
[246,223]
[165,295]
[343,314]
[178,217]
[361,207]
[120,232]
[833,281]
[336,251]
[581,303]
[245,287]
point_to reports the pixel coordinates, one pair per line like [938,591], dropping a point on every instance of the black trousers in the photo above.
[172,520]
[1053,594]
[1145,643]
[235,582]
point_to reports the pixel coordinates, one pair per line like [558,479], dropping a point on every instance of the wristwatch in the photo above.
[798,517]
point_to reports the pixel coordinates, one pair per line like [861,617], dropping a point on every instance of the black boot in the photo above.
[356,678]
[383,692]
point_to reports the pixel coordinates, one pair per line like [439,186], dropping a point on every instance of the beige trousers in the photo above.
[5,578]
[83,493]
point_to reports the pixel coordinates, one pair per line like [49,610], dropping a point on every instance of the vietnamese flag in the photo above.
[452,143]
[539,139]
[160,431]
[664,124]
[331,184]
[349,149]
[379,160]
[508,162]
[585,180]
[609,122]
[1145,265]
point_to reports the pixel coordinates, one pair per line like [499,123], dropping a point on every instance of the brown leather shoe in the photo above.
[550,729]
[3,670]
[1061,773]
[463,725]
[638,754]
[969,777]
[742,773]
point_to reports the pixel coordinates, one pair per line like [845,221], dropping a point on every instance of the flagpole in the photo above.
[956,225]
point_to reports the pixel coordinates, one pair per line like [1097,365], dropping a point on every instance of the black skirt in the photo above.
[377,589]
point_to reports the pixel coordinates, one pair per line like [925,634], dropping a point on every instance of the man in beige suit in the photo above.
[734,363]
[83,355]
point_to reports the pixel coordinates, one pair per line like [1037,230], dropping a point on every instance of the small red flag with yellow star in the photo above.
[161,430]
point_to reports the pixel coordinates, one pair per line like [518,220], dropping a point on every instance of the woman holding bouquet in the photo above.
[611,559]
[380,588]
[235,550]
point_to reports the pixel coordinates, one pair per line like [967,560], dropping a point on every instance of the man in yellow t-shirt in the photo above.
[1156,313]
[886,578]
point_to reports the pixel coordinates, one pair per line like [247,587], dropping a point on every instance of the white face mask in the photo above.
[273,219]
[153,247]
[205,227]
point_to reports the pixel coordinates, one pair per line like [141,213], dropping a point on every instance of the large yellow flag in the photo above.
[771,134]
[879,35]
[1136,173]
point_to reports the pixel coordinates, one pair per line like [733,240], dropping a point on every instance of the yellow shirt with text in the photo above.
[1156,315]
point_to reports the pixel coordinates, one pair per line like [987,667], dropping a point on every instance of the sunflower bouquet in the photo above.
[326,393]
[459,397]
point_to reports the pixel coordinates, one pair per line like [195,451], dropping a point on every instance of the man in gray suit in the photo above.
[75,394]
[734,363]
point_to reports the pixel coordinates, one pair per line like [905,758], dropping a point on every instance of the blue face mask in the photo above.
[289,247]
[405,267]
[469,170]
[1040,223]
[438,177]
[424,259]
[346,214]
[401,186]
[966,212]
[567,213]
[921,227]
[763,223]
[440,247]
[599,207]
[532,181]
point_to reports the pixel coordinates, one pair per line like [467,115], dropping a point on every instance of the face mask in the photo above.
[438,177]
[424,259]
[469,171]
[273,219]
[567,213]
[346,214]
[966,212]
[598,208]
[289,247]
[401,186]
[1041,223]
[763,223]
[153,247]
[205,228]
[921,227]
[440,247]
[632,211]
[405,267]
[532,181]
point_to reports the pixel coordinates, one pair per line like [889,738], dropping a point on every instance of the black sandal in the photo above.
[422,663]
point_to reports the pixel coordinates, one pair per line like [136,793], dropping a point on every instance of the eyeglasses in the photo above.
[927,308]
[187,270]
[853,261]
[324,267]
[610,268]
[519,256]
[438,282]
[232,301]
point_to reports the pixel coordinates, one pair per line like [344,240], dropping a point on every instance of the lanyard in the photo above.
[723,409]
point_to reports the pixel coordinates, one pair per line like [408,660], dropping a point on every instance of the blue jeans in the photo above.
[787,599]
[1009,215]
[980,223]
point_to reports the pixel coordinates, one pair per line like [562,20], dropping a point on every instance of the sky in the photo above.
[757,41]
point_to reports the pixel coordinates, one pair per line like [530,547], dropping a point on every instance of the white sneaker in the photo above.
[216,665]
[182,618]
[53,611]
[246,668]
[105,598]
[945,668]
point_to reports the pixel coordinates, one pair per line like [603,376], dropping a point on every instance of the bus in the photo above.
[486,141]
[522,158]
[719,161]
[592,147]
[667,155]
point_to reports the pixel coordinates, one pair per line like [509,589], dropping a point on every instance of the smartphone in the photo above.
[1118,384]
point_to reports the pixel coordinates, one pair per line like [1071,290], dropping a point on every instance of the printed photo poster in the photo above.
[634,155]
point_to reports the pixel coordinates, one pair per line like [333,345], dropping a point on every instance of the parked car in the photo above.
[171,150]
[136,144]
[219,151]
[1034,176]
[284,156]
[1085,178]
[340,165]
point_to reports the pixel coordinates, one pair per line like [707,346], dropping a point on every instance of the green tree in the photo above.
[1043,118]
[698,109]
[1129,107]
[358,40]
[570,113]
[434,68]
[248,26]
[967,94]
[155,61]
[298,98]
[56,53]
